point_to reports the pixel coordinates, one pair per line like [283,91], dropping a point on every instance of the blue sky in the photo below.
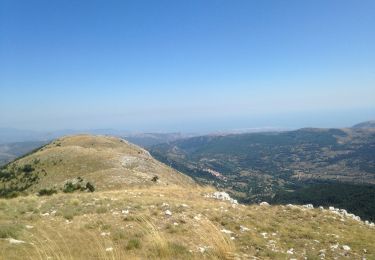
[186,65]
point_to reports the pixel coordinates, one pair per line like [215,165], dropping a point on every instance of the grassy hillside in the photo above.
[132,215]
[105,162]
[171,222]
[257,166]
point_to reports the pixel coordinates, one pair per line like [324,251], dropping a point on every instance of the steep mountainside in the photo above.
[256,167]
[106,162]
[132,215]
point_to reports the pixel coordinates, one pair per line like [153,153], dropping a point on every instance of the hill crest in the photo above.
[108,162]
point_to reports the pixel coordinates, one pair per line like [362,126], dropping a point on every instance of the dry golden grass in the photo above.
[108,162]
[132,224]
[126,218]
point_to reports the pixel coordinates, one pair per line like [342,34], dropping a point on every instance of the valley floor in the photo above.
[173,223]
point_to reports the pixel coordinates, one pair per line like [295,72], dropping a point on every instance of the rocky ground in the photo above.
[172,222]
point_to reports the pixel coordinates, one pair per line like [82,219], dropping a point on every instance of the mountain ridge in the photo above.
[259,166]
[167,218]
[108,162]
[366,124]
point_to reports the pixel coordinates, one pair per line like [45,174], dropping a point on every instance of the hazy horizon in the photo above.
[231,125]
[168,66]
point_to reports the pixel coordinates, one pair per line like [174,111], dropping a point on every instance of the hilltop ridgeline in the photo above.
[105,162]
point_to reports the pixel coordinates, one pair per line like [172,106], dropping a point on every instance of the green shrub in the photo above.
[47,192]
[78,184]
[90,187]
[27,168]
[69,187]
[133,243]
[9,230]
[9,193]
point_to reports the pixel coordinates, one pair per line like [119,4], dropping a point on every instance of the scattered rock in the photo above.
[15,241]
[221,195]
[344,213]
[264,203]
[322,253]
[198,217]
[109,249]
[290,251]
[203,249]
[168,212]
[226,231]
[292,206]
[244,229]
[346,248]
[308,206]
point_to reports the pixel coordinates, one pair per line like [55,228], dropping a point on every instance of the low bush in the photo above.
[9,230]
[133,243]
[47,192]
[90,187]
[69,187]
[78,184]
[27,168]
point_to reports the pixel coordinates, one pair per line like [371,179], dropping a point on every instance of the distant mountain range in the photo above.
[12,135]
[150,139]
[16,142]
[367,124]
[283,166]
[9,152]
